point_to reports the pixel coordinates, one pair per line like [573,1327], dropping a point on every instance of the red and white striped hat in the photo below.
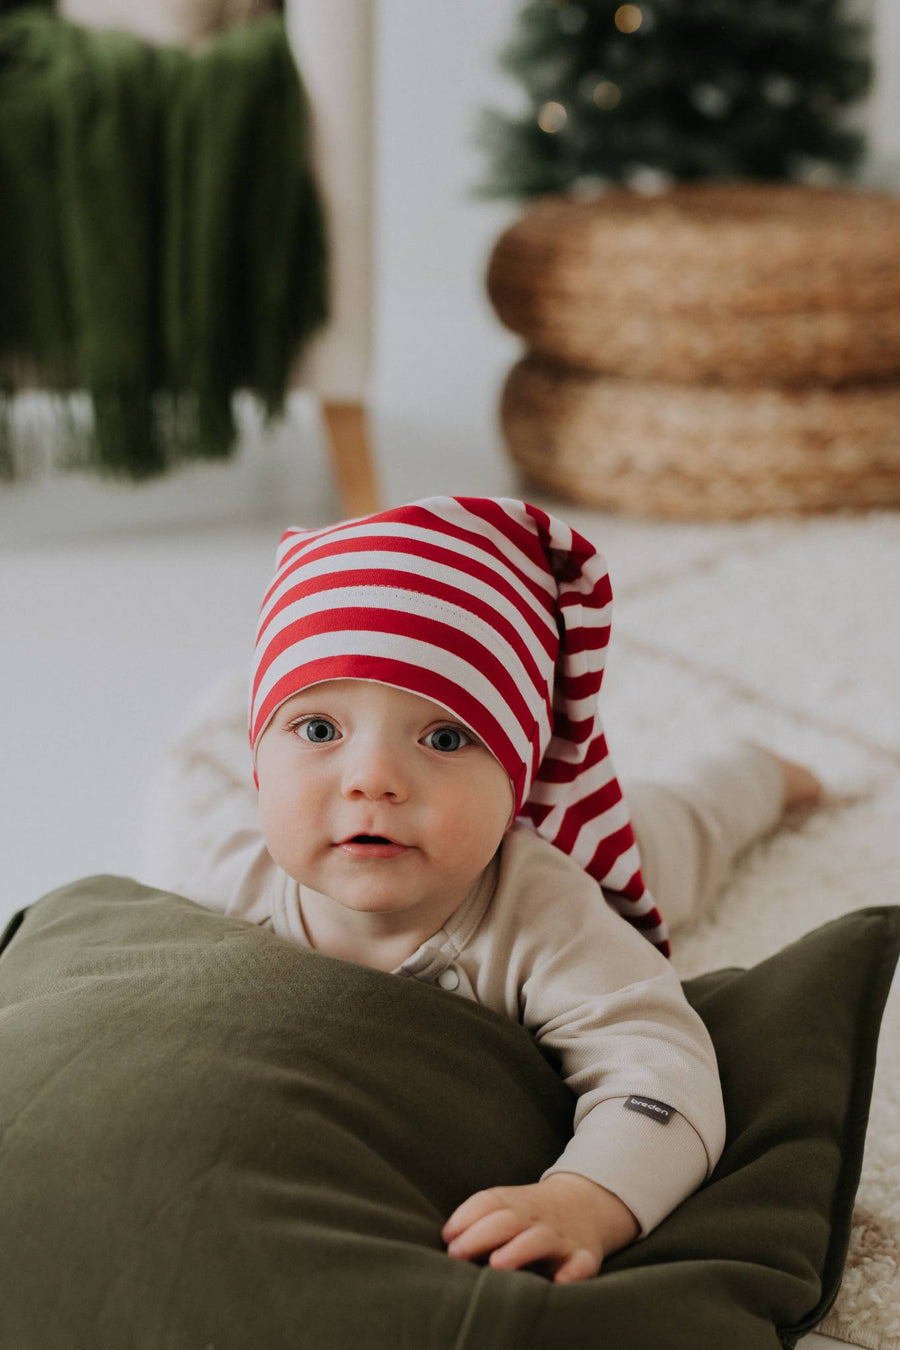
[491,608]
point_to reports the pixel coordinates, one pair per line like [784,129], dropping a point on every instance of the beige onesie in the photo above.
[534,941]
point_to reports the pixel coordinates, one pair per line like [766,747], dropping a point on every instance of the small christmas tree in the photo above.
[668,90]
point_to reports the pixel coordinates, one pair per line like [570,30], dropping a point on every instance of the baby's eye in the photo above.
[319,730]
[447,739]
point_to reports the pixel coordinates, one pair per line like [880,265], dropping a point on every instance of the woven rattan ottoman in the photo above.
[716,351]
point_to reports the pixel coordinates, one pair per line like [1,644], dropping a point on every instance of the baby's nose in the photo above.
[372,771]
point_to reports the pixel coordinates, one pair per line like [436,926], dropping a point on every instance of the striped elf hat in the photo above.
[491,608]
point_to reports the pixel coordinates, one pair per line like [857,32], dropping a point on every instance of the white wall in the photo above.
[884,111]
[440,353]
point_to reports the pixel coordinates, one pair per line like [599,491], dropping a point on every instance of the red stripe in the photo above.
[436,553]
[642,921]
[576,732]
[578,640]
[609,850]
[431,520]
[431,631]
[566,770]
[526,541]
[421,585]
[536,812]
[598,597]
[395,516]
[568,565]
[585,810]
[403,675]
[565,567]
[634,888]
[304,537]
[573,687]
[398,515]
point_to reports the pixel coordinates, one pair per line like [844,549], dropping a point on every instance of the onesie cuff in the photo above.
[650,1159]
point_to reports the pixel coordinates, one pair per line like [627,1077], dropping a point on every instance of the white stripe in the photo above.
[588,781]
[567,752]
[626,906]
[593,570]
[432,534]
[591,832]
[588,841]
[621,872]
[589,616]
[417,653]
[579,710]
[561,538]
[366,559]
[560,533]
[593,828]
[289,539]
[458,514]
[397,601]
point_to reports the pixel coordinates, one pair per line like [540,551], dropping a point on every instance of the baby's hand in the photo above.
[566,1222]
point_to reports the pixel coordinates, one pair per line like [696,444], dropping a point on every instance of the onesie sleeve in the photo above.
[609,1009]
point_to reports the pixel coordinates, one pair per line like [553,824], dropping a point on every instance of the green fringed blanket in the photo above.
[161,239]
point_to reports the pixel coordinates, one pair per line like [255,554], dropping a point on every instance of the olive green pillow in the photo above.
[214,1139]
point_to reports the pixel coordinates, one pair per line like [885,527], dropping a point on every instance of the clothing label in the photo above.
[648,1107]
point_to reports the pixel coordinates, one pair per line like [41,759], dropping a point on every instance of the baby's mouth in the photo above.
[372,846]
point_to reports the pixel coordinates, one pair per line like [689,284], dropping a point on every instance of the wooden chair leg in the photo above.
[351,458]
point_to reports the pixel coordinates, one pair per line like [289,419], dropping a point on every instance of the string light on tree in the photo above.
[606,95]
[552,117]
[628,18]
[781,91]
[710,100]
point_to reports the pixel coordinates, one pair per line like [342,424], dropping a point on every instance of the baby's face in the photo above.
[379,799]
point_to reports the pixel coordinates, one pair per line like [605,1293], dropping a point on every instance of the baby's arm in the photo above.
[566,1222]
[609,1009]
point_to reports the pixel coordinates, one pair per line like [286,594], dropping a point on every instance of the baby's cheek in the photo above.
[474,836]
[285,820]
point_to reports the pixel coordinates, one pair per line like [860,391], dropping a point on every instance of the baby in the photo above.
[436,800]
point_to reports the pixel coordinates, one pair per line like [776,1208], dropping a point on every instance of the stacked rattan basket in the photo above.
[713,352]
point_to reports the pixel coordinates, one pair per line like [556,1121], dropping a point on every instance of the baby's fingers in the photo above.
[537,1243]
[485,1234]
[581,1265]
[469,1212]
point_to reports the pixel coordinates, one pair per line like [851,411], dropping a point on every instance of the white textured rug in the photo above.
[787,632]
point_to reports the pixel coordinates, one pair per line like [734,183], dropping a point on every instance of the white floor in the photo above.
[106,641]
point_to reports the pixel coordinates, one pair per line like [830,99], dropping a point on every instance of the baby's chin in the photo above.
[386,893]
